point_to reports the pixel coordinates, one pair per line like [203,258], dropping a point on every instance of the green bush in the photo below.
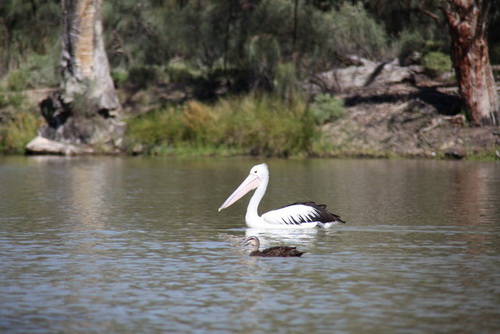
[263,55]
[436,63]
[181,71]
[155,128]
[350,30]
[17,131]
[36,71]
[18,80]
[258,125]
[408,43]
[44,69]
[13,100]
[286,84]
[326,108]
[4,102]
[142,76]
[119,76]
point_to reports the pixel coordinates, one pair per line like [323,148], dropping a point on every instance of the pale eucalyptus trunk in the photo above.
[84,63]
[81,118]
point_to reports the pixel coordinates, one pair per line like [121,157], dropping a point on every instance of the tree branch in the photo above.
[425,11]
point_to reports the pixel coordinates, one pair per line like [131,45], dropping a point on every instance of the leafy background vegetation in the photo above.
[257,50]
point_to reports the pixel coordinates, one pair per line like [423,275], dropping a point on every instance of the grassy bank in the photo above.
[256,125]
[268,125]
[19,123]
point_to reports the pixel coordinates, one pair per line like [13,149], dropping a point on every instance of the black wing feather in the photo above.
[323,215]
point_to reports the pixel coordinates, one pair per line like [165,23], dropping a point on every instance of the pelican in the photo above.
[297,215]
[281,251]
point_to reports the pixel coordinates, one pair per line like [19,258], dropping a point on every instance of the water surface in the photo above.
[136,245]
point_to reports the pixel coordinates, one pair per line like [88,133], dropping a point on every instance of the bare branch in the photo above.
[422,7]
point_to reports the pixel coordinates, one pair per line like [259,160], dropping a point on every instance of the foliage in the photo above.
[17,80]
[181,71]
[119,76]
[248,40]
[263,57]
[17,130]
[408,43]
[141,76]
[357,32]
[493,35]
[259,125]
[436,63]
[13,100]
[326,108]
[286,83]
[37,71]
[253,37]
[27,28]
[325,37]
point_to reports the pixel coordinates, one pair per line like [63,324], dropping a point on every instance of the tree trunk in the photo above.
[81,113]
[84,63]
[467,24]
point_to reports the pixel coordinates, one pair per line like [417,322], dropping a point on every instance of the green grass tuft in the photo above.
[256,125]
[436,63]
[326,108]
[17,131]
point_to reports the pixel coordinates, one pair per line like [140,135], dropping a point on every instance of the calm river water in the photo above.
[136,245]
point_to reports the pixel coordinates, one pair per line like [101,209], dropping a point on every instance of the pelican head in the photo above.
[258,175]
[254,241]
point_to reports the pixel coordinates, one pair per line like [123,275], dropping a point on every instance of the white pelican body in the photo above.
[297,215]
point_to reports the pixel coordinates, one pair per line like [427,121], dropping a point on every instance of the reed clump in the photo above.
[254,124]
[17,129]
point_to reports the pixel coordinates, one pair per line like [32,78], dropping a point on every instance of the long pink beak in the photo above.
[250,183]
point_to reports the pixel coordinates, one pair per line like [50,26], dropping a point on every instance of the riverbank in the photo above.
[398,121]
[402,120]
[406,121]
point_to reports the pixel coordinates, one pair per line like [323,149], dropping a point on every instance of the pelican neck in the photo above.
[253,205]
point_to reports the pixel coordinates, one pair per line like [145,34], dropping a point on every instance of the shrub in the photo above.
[326,108]
[18,80]
[19,129]
[37,71]
[181,71]
[264,54]
[43,69]
[142,76]
[436,63]
[408,43]
[268,125]
[258,125]
[13,100]
[350,30]
[155,128]
[286,84]
[120,77]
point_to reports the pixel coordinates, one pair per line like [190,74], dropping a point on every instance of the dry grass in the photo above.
[257,125]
